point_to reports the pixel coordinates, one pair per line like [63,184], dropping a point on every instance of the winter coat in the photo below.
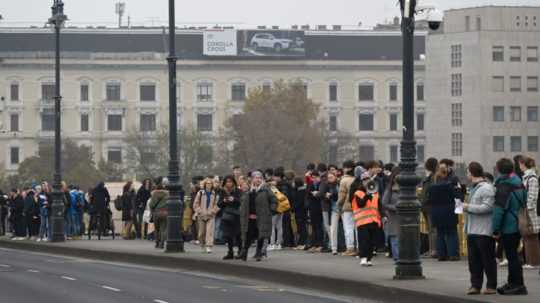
[159,199]
[389,203]
[128,205]
[143,195]
[344,201]
[204,209]
[424,198]
[530,181]
[100,198]
[298,202]
[325,188]
[75,204]
[509,198]
[265,203]
[29,204]
[313,201]
[443,205]
[230,209]
[480,210]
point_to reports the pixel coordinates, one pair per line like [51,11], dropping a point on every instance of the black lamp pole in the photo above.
[57,217]
[408,208]
[175,241]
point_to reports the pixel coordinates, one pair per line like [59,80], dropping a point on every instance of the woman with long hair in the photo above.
[205,208]
[143,194]
[229,203]
[128,209]
[389,205]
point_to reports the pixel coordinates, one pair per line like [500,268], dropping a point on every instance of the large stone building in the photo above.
[115,80]
[482,71]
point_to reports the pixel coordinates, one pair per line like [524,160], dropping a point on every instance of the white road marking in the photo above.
[110,288]
[68,278]
[160,301]
[5,265]
[33,270]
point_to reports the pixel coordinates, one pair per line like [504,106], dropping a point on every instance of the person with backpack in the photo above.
[509,199]
[479,230]
[531,241]
[206,209]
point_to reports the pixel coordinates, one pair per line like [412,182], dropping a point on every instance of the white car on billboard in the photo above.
[269,41]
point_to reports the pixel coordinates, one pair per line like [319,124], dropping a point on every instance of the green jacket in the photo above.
[509,199]
[158,199]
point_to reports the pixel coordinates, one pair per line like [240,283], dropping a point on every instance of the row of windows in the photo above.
[515,144]
[367,152]
[205,92]
[515,54]
[516,85]
[515,113]
[366,122]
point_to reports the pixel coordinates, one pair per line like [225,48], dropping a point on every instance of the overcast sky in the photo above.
[243,13]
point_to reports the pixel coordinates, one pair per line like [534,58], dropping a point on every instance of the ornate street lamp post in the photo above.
[57,217]
[408,208]
[175,242]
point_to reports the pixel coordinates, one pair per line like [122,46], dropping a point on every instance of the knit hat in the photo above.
[358,171]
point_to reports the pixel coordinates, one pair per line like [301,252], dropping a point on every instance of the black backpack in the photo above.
[118,203]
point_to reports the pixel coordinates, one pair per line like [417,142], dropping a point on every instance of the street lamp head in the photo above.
[58,18]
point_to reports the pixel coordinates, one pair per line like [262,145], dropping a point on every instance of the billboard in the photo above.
[220,43]
[271,43]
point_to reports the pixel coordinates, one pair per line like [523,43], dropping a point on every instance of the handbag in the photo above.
[161,214]
[230,215]
[525,223]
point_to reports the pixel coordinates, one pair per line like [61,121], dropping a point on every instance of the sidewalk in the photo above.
[445,281]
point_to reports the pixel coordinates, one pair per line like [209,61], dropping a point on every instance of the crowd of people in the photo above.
[349,211]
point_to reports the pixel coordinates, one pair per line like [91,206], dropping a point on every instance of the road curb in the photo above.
[332,285]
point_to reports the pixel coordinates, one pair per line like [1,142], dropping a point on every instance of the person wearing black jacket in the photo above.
[283,185]
[3,213]
[229,203]
[143,195]
[128,209]
[16,205]
[99,201]
[298,201]
[315,212]
[29,212]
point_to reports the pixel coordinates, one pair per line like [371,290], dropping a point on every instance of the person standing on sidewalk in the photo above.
[479,230]
[128,209]
[3,213]
[315,213]
[205,208]
[431,169]
[143,194]
[43,200]
[366,212]
[300,213]
[158,206]
[344,206]
[229,203]
[256,210]
[329,193]
[389,204]
[531,242]
[509,198]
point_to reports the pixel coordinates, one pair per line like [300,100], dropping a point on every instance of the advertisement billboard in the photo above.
[220,43]
[271,43]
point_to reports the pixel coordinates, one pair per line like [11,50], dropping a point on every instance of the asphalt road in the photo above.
[28,277]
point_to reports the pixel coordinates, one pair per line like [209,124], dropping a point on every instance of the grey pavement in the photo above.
[29,277]
[449,280]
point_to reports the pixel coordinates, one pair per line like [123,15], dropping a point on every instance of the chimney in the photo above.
[295,27]
[336,27]
[275,27]
[321,27]
[305,27]
[261,27]
[396,20]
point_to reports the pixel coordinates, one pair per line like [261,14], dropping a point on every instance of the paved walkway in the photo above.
[449,279]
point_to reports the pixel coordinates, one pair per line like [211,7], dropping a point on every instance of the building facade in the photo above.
[482,71]
[115,81]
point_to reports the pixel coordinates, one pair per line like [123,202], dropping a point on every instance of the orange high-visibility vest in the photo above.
[367,214]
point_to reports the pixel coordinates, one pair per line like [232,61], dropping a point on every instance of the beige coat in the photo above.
[343,202]
[200,206]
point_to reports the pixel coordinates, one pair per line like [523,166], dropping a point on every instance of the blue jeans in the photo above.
[218,234]
[447,242]
[394,247]
[44,226]
[74,224]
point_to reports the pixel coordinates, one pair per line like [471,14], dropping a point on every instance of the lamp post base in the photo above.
[57,217]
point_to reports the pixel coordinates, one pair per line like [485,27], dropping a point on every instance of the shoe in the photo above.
[243,255]
[349,253]
[473,291]
[229,256]
[278,247]
[45,240]
[489,291]
[208,250]
[369,263]
[527,266]
[442,259]
[334,252]
[299,247]
[258,257]
[508,289]
[454,259]
[503,263]
[271,247]
[363,262]
[38,240]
